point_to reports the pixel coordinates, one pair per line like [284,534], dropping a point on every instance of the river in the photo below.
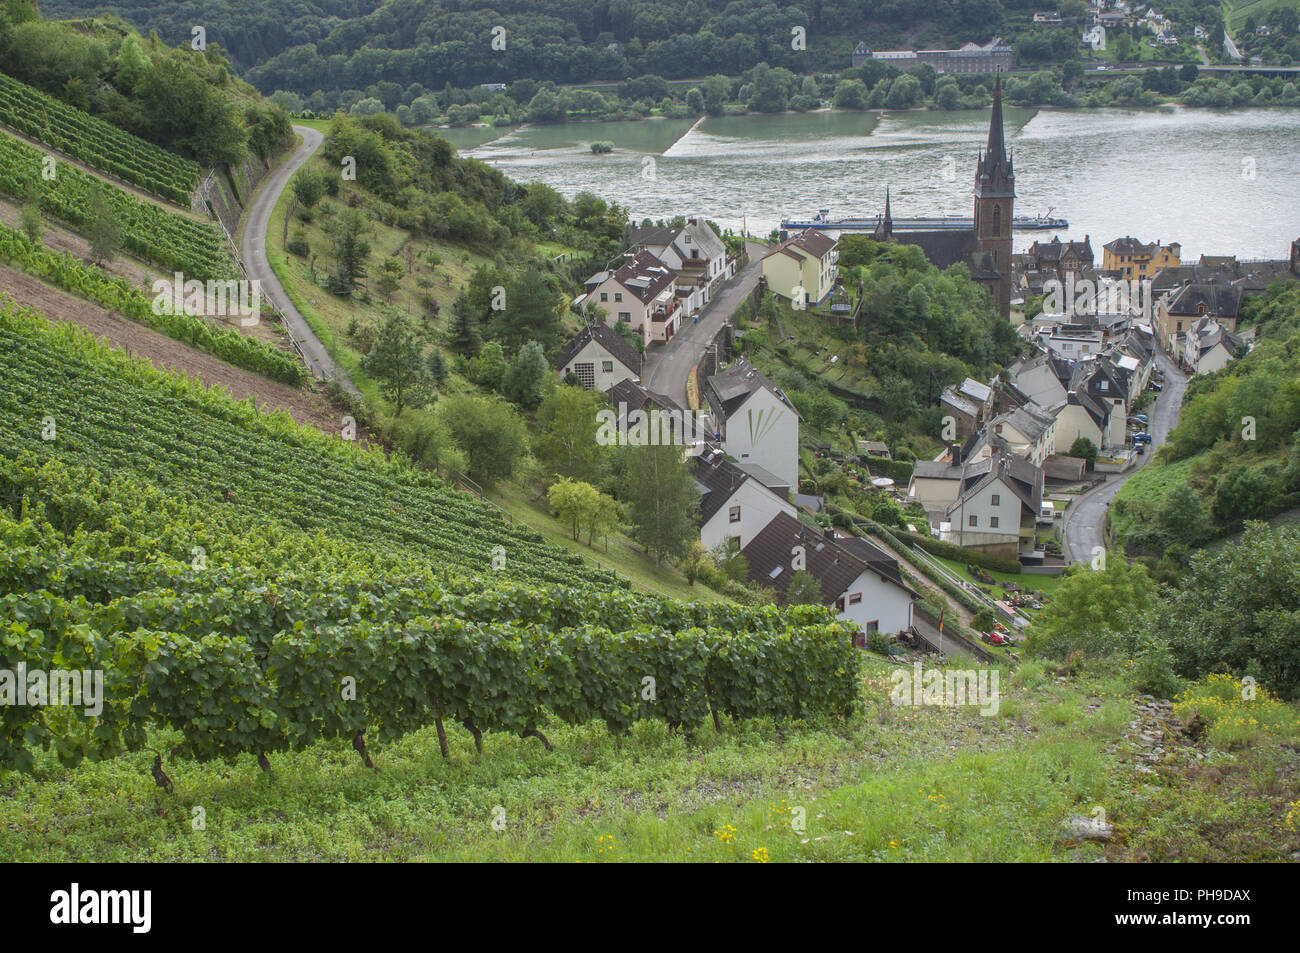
[1219,182]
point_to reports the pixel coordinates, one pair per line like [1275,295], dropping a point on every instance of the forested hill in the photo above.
[336,45]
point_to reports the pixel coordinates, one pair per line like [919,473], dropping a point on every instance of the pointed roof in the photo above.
[994,175]
[608,339]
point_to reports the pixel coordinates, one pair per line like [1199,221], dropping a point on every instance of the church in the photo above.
[986,247]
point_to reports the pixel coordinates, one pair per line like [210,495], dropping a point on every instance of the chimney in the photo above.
[955,452]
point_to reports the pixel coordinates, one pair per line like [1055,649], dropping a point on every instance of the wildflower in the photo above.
[760,855]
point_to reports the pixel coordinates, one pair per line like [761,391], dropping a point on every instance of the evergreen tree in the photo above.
[526,377]
[662,499]
[397,363]
[463,336]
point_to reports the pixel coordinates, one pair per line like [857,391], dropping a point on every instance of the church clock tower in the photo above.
[995,196]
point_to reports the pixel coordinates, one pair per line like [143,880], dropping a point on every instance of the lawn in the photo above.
[623,556]
[888,784]
[1030,581]
[1148,486]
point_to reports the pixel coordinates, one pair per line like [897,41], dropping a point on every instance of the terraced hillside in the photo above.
[229,571]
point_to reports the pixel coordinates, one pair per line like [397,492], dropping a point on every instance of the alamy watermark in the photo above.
[230,298]
[640,428]
[37,687]
[946,688]
[1107,296]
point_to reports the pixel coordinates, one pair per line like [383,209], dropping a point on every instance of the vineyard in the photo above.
[170,240]
[257,587]
[69,273]
[95,142]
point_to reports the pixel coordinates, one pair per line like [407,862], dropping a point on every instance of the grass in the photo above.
[1147,486]
[889,784]
[623,557]
[1236,12]
[1030,581]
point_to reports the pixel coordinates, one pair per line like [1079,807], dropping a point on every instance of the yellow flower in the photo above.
[760,855]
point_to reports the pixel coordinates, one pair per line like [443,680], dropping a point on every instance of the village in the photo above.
[1081,407]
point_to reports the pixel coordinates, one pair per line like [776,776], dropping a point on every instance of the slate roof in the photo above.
[877,560]
[642,274]
[719,480]
[1220,300]
[943,247]
[1019,475]
[732,387]
[637,397]
[810,240]
[700,234]
[768,556]
[607,338]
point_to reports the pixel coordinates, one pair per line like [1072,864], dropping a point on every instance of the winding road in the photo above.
[1082,534]
[252,246]
[667,370]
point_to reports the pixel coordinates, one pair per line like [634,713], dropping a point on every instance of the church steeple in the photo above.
[885,226]
[995,199]
[995,175]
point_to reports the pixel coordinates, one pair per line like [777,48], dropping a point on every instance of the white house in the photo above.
[861,582]
[695,252]
[1209,347]
[1080,416]
[757,423]
[1043,376]
[1072,341]
[1028,432]
[734,506]
[641,293]
[599,358]
[997,508]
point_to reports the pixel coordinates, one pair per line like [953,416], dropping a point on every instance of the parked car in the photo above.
[1142,438]
[1138,419]
[1156,386]
[1140,448]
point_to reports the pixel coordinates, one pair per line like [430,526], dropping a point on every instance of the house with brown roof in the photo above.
[641,293]
[803,268]
[862,583]
[1178,310]
[599,358]
[695,252]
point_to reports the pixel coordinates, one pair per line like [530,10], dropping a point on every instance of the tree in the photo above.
[351,249]
[488,430]
[397,363]
[1182,516]
[695,559]
[662,499]
[1084,449]
[851,94]
[695,100]
[102,228]
[308,187]
[904,92]
[391,273]
[526,377]
[437,367]
[803,590]
[463,336]
[1092,610]
[567,444]
[31,222]
[583,507]
[489,368]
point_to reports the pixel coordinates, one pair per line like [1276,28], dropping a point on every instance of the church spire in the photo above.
[994,173]
[889,219]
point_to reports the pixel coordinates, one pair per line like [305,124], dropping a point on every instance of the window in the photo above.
[607,367]
[997,499]
[586,374]
[604,296]
[618,296]
[733,514]
[997,220]
[993,522]
[973,521]
[625,316]
[839,604]
[873,625]
[855,598]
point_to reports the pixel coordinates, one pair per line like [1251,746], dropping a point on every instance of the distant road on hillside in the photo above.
[252,246]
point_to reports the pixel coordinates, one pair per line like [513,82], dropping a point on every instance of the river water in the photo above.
[1219,182]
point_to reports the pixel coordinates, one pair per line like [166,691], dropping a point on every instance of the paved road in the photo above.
[252,246]
[668,367]
[1083,522]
